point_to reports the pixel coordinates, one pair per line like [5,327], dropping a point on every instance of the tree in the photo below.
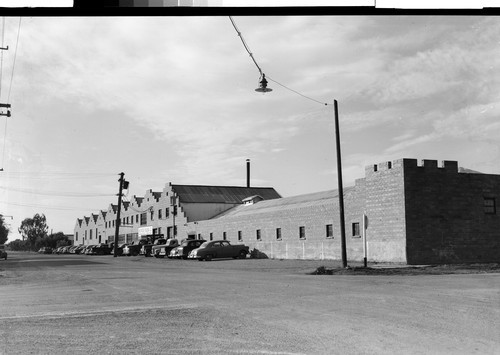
[33,228]
[4,231]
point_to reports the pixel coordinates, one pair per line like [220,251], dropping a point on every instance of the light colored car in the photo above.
[3,253]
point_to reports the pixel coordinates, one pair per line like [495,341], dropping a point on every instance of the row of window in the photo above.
[301,233]
[143,217]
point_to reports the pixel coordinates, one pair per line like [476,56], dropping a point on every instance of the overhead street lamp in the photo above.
[263,88]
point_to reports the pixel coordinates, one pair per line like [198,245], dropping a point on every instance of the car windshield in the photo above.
[204,245]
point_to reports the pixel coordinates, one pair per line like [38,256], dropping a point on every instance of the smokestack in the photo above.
[248,172]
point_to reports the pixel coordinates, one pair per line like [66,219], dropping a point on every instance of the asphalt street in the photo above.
[51,304]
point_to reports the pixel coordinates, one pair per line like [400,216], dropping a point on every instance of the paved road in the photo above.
[78,304]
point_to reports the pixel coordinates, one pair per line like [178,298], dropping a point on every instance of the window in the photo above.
[85,235]
[490,205]
[302,232]
[224,235]
[167,213]
[329,231]
[278,233]
[131,219]
[259,237]
[159,214]
[355,229]
[144,218]
[76,236]
[137,219]
[211,236]
[90,233]
[240,236]
[152,214]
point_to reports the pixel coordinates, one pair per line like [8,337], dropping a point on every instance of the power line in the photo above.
[1,56]
[55,175]
[44,206]
[260,70]
[55,193]
[10,87]
[15,55]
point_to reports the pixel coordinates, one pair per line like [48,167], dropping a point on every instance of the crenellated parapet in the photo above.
[407,164]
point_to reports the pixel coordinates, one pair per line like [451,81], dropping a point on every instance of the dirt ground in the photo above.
[72,304]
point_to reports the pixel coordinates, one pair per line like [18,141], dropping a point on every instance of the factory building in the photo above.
[401,211]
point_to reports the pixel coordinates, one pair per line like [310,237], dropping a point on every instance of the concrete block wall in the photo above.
[313,217]
[385,210]
[446,220]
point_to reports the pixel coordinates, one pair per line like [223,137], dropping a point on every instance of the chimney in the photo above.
[248,172]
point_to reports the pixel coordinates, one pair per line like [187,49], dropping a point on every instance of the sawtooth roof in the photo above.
[221,194]
[300,201]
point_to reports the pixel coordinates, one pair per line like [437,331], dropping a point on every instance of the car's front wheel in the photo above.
[243,255]
[208,257]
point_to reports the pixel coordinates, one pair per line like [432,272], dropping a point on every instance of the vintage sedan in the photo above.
[164,247]
[183,250]
[219,249]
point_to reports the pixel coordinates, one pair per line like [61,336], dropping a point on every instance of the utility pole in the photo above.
[117,229]
[173,202]
[341,189]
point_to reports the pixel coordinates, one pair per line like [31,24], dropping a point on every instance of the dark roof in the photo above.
[301,201]
[221,194]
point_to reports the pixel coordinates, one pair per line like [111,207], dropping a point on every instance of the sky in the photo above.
[172,99]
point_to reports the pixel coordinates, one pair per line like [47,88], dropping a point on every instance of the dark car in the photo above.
[133,248]
[119,249]
[163,248]
[3,253]
[183,250]
[219,249]
[100,249]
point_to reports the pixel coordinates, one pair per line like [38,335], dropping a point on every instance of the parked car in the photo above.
[3,253]
[133,248]
[78,249]
[148,245]
[119,249]
[100,249]
[219,249]
[183,250]
[45,250]
[163,247]
[87,249]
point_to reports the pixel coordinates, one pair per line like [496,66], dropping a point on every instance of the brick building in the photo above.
[415,214]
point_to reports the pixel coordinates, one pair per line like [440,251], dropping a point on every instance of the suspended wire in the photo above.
[54,193]
[298,93]
[55,175]
[244,44]
[10,88]
[1,56]
[51,207]
[15,55]
[260,70]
